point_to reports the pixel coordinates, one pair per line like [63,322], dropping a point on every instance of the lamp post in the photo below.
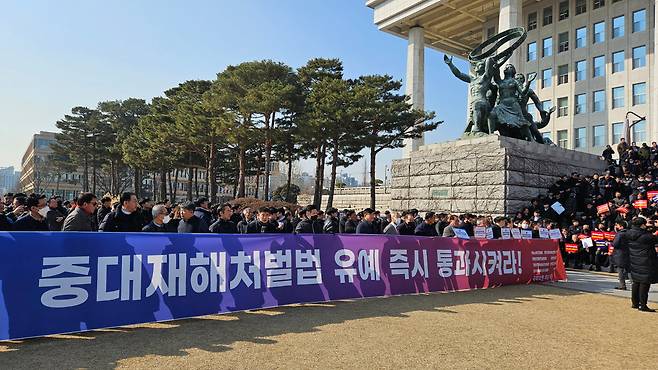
[628,125]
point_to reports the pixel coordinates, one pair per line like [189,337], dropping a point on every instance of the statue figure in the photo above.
[481,91]
[527,95]
[500,104]
[507,116]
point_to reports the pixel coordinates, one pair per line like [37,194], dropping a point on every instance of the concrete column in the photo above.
[652,114]
[415,83]
[510,17]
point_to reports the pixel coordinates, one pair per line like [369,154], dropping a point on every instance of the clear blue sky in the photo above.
[60,54]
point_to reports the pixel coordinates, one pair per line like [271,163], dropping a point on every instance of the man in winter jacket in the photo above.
[125,218]
[191,223]
[643,261]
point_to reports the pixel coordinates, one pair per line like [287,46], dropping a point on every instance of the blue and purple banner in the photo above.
[68,282]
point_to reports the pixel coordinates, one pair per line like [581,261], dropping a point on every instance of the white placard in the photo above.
[555,234]
[480,232]
[489,233]
[461,233]
[506,233]
[543,233]
[557,207]
[526,234]
[516,233]
[587,242]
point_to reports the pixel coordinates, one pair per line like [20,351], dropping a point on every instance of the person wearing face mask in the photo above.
[160,222]
[81,218]
[33,220]
[310,224]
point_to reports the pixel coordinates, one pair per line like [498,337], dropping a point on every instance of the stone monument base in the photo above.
[488,175]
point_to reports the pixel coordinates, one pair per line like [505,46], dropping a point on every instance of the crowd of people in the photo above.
[580,206]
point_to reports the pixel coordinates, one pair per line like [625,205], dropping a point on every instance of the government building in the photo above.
[594,59]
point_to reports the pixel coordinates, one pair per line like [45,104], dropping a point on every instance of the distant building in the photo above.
[8,180]
[348,180]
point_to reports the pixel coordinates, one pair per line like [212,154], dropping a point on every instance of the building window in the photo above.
[580,137]
[562,107]
[617,131]
[563,139]
[639,131]
[580,104]
[581,70]
[581,37]
[598,100]
[564,10]
[548,16]
[640,93]
[618,62]
[563,42]
[618,27]
[598,69]
[639,20]
[547,47]
[562,74]
[532,51]
[639,57]
[532,21]
[598,136]
[617,97]
[546,105]
[533,83]
[581,6]
[546,78]
[599,32]
[598,4]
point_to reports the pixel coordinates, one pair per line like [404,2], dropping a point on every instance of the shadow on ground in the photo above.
[104,348]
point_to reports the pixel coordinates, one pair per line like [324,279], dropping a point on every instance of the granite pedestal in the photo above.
[489,175]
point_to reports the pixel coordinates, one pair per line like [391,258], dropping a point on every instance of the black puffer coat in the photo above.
[642,253]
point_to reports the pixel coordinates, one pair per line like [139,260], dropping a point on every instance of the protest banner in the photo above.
[480,232]
[505,233]
[603,208]
[69,282]
[571,248]
[640,203]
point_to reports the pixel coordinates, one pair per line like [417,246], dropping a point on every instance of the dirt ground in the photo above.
[533,326]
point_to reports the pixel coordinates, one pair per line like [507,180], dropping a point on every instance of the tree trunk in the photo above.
[163,183]
[269,125]
[317,192]
[373,157]
[153,184]
[190,180]
[289,181]
[243,170]
[210,173]
[196,183]
[85,174]
[93,175]
[257,184]
[334,166]
[137,179]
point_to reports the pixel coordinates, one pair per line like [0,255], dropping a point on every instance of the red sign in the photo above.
[640,203]
[610,236]
[603,208]
[622,210]
[571,248]
[598,235]
[651,194]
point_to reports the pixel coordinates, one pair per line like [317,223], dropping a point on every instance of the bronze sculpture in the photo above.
[500,104]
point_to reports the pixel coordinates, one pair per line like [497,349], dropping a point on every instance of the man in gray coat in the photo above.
[81,218]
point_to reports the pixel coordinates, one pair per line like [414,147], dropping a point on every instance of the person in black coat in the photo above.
[160,220]
[224,225]
[32,221]
[5,222]
[620,257]
[408,225]
[426,228]
[125,218]
[643,261]
[262,224]
[366,226]
[202,211]
[106,207]
[190,223]
[310,224]
[331,224]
